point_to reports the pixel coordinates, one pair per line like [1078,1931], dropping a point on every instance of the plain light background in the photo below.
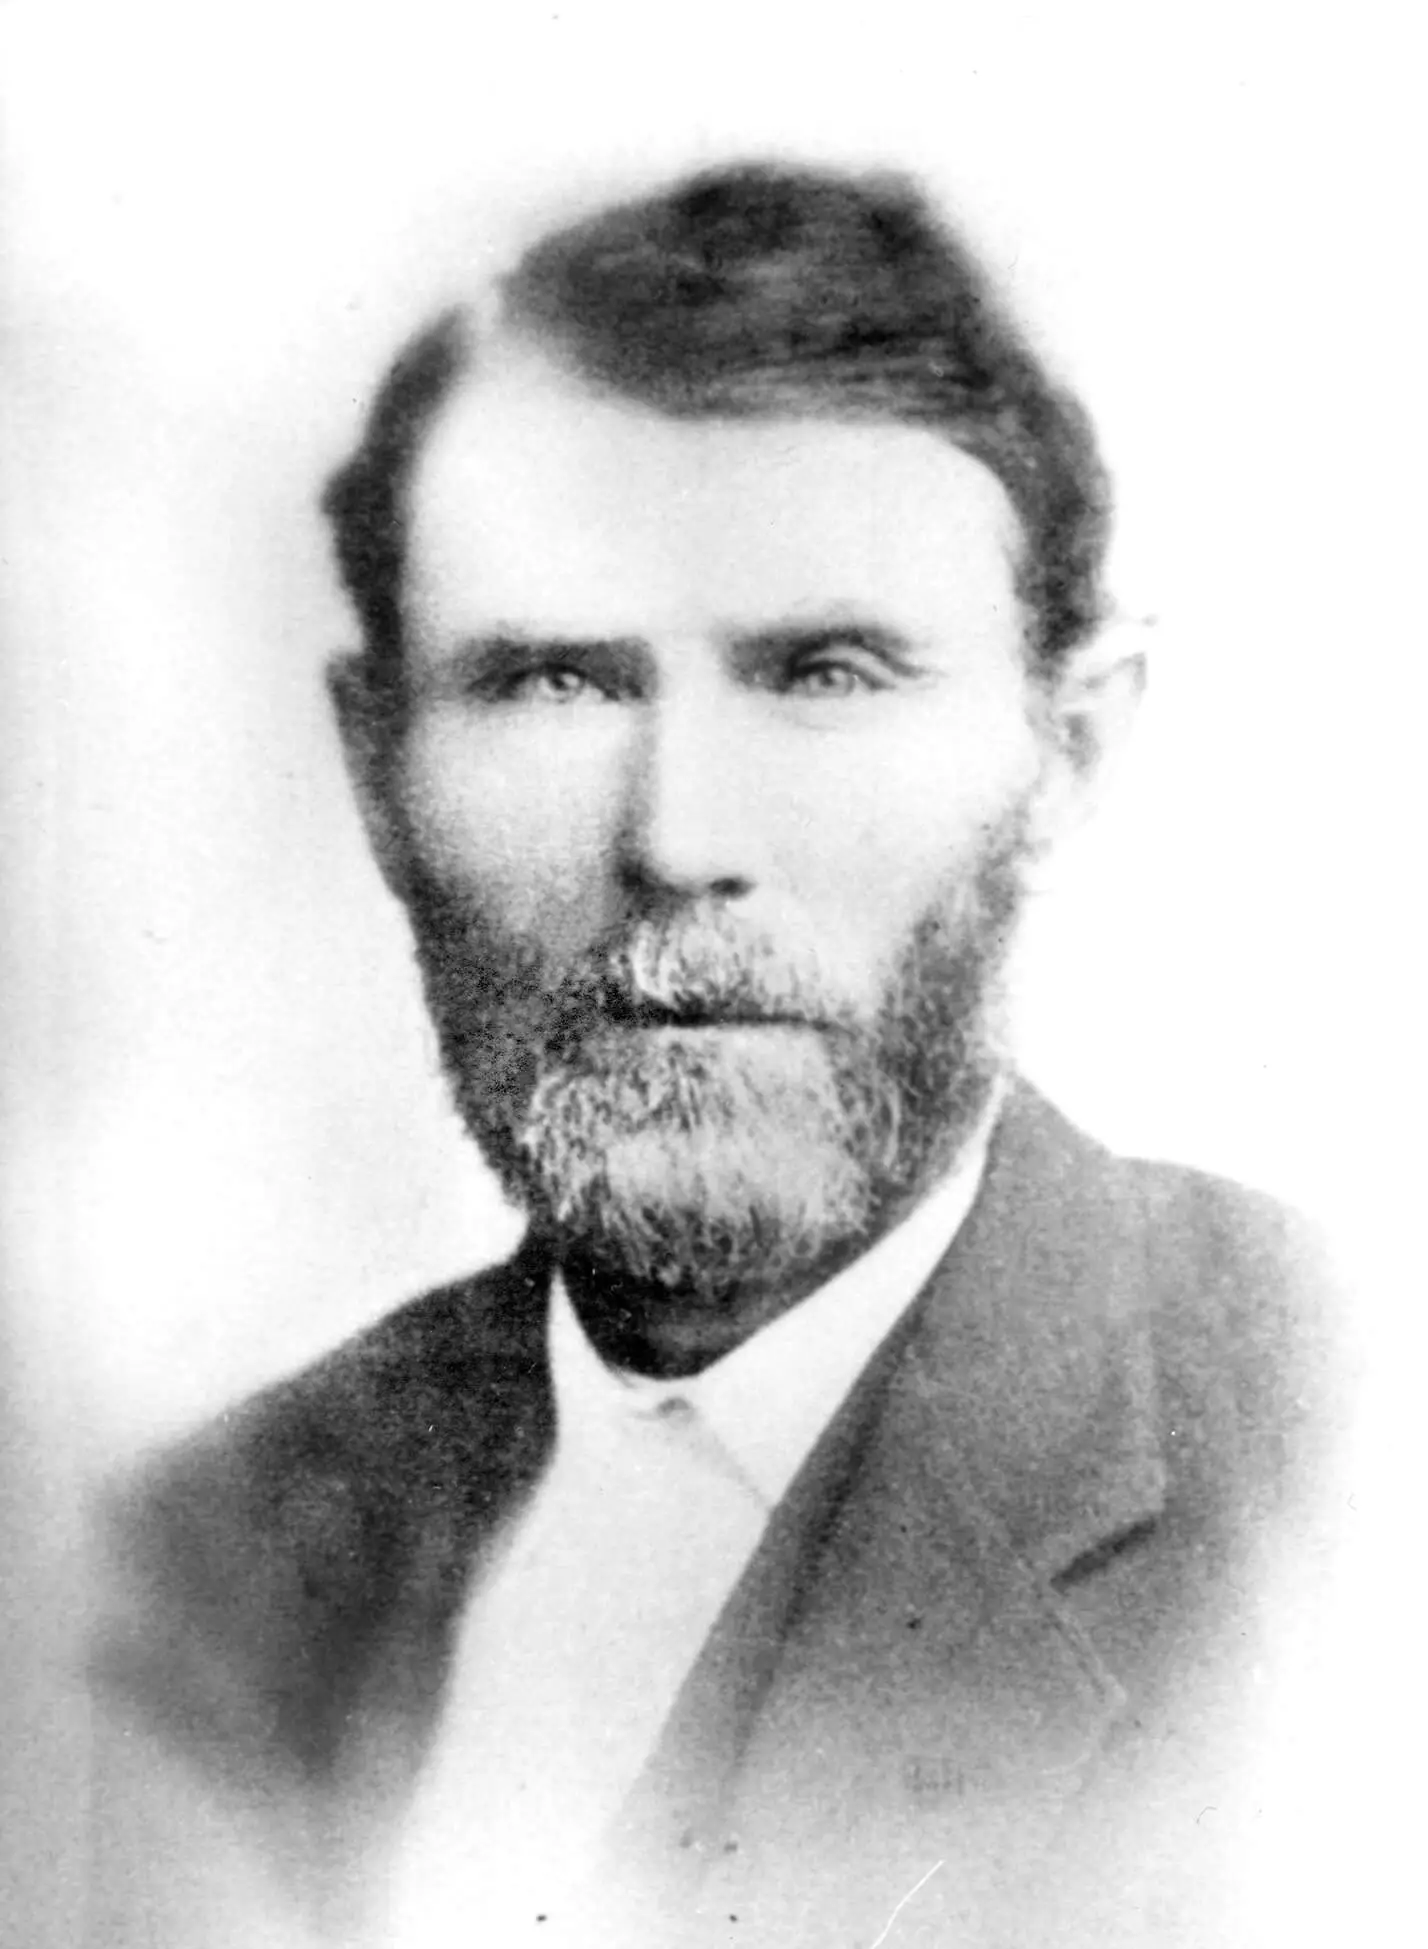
[224,1142]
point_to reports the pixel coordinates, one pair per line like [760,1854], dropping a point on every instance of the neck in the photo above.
[672,1331]
[669,1329]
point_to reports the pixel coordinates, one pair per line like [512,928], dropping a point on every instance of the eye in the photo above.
[834,676]
[551,683]
[558,684]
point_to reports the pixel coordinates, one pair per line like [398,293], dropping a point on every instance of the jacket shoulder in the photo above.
[1246,1313]
[248,1566]
[361,1415]
[1113,1337]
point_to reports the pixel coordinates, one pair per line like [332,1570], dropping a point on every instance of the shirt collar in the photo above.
[768,1401]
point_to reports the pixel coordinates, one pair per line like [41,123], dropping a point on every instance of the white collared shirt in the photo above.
[610,1578]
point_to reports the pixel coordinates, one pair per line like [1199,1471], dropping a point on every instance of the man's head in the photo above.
[725,606]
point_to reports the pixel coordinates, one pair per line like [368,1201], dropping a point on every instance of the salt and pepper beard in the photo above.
[691,1106]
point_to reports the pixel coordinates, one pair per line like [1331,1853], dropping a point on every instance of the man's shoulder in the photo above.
[393,1383]
[278,1509]
[1245,1317]
[1242,1289]
[1237,1225]
[1199,1253]
[1204,1314]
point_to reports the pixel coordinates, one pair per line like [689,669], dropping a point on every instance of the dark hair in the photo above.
[752,290]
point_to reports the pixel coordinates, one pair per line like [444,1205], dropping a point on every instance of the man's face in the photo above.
[709,812]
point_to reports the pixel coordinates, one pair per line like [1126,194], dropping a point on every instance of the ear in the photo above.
[1087,714]
[366,724]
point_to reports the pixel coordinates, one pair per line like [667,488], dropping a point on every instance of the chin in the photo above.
[679,1161]
[713,1219]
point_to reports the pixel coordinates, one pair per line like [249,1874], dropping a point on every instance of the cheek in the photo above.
[874,837]
[526,842]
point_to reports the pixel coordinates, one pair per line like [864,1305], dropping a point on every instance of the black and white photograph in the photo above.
[713,998]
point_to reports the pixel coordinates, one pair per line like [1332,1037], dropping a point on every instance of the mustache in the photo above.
[708,969]
[694,968]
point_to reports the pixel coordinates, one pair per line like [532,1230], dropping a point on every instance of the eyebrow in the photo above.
[892,647]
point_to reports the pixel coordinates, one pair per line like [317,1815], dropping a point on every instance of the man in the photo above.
[854,1507]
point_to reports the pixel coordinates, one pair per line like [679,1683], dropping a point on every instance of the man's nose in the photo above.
[692,828]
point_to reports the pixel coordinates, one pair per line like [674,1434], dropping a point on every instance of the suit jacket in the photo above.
[996,1656]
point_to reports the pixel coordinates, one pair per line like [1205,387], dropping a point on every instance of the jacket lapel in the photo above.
[897,1668]
[476,1420]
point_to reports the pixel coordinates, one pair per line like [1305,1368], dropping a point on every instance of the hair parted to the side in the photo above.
[753,290]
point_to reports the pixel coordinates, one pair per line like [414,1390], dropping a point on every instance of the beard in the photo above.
[695,1105]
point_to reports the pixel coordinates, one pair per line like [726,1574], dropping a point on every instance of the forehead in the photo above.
[539,504]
